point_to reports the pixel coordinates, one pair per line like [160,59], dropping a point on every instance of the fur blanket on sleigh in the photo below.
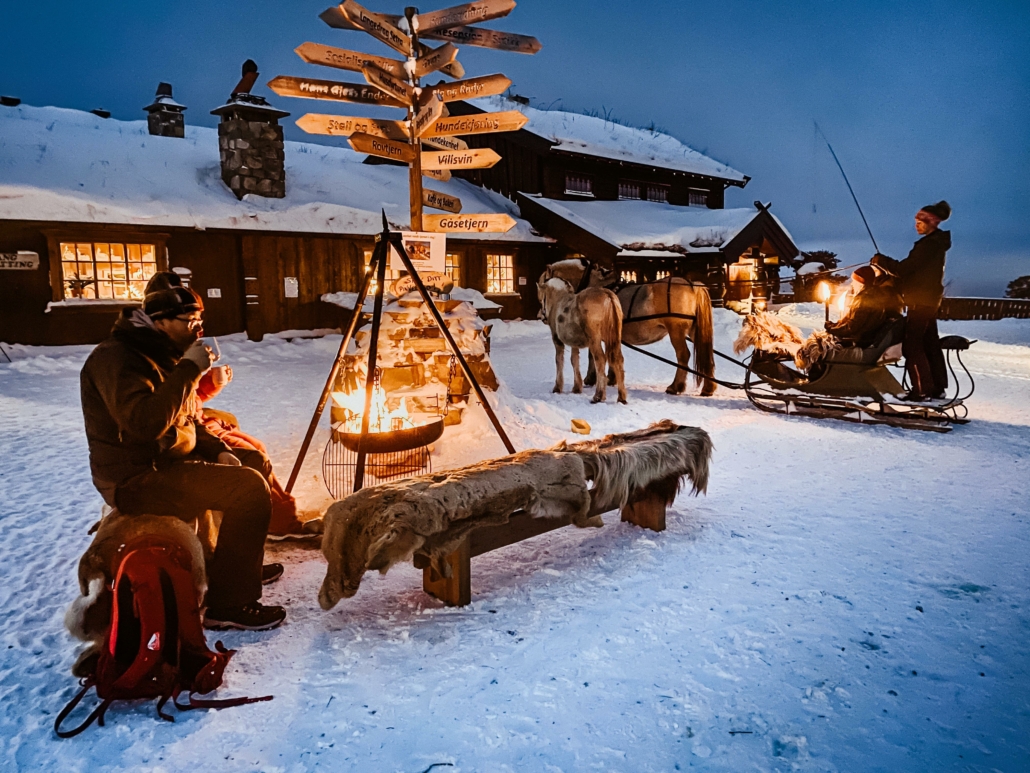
[427,517]
[766,332]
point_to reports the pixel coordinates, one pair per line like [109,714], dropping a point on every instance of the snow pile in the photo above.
[845,598]
[67,165]
[642,227]
[592,136]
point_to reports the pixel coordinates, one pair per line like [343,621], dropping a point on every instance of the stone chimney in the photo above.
[164,117]
[250,141]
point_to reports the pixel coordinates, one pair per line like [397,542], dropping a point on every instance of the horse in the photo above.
[591,319]
[652,310]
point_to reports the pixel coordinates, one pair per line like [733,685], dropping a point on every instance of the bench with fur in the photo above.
[441,521]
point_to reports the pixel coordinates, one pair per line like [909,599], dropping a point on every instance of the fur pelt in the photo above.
[657,457]
[815,348]
[428,516]
[768,333]
[89,616]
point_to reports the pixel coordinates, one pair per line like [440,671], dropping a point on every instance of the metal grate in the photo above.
[339,464]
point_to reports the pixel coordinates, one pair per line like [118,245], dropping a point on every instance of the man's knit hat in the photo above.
[173,302]
[162,280]
[941,210]
[865,275]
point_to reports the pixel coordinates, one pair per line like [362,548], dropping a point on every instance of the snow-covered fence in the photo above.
[984,308]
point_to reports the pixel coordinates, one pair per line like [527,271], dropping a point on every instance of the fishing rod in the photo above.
[848,183]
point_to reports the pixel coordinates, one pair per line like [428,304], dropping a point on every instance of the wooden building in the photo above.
[92,207]
[637,200]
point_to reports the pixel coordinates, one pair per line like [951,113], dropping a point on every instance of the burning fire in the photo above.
[381,419]
[843,302]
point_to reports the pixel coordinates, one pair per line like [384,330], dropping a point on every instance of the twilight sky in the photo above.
[921,101]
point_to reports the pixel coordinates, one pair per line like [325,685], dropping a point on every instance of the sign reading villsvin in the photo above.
[20,260]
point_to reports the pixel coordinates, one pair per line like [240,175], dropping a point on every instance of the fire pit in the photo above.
[395,447]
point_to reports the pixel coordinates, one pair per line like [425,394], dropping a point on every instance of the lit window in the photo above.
[579,184]
[657,192]
[628,276]
[629,190]
[452,267]
[697,197]
[391,274]
[500,275]
[104,271]
[661,275]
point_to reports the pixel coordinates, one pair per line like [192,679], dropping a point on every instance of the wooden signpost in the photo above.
[396,83]
[469,224]
[437,200]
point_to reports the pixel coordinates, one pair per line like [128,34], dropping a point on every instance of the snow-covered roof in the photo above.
[593,136]
[654,229]
[70,166]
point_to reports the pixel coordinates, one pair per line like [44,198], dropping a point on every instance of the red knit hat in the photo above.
[865,275]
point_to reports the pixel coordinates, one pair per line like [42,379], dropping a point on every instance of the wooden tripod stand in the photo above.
[377,266]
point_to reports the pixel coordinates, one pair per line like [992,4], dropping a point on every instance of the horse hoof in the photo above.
[588,381]
[556,391]
[577,390]
[622,400]
[596,400]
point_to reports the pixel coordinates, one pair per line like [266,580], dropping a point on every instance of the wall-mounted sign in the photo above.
[214,292]
[21,260]
[428,252]
[291,287]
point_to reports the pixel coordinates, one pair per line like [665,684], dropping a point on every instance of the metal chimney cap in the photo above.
[163,100]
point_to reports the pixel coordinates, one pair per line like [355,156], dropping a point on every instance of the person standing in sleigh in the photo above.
[284,523]
[920,280]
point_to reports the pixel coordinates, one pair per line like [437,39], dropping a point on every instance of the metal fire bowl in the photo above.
[394,440]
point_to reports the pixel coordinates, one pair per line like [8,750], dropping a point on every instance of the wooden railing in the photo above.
[984,308]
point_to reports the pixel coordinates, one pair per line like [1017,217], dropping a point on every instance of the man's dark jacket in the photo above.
[138,404]
[870,310]
[921,274]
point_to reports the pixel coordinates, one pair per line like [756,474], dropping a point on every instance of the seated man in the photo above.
[874,304]
[148,455]
[250,450]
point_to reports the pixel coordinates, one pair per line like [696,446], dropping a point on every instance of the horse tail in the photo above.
[611,334]
[704,341]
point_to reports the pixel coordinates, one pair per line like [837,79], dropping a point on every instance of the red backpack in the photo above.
[155,645]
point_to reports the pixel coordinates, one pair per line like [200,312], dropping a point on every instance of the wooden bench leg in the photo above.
[646,510]
[456,590]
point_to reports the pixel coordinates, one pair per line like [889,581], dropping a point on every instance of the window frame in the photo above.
[588,178]
[661,187]
[635,185]
[698,193]
[510,279]
[98,235]
[457,266]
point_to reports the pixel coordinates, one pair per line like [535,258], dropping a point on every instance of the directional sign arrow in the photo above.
[473,158]
[480,123]
[435,59]
[377,146]
[469,13]
[346,125]
[437,200]
[376,25]
[344,59]
[468,224]
[427,116]
[445,143]
[437,174]
[501,41]
[483,86]
[383,81]
[314,88]
[336,19]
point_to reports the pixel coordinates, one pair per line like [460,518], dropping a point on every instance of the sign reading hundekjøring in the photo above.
[20,260]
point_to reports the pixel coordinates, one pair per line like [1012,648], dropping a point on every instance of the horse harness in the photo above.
[638,286]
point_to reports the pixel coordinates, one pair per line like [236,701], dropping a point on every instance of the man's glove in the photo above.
[200,355]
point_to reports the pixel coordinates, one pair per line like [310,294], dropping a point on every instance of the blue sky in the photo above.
[921,101]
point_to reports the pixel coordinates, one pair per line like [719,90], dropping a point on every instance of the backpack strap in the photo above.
[223,703]
[96,714]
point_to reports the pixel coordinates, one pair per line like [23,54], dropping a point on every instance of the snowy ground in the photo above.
[846,598]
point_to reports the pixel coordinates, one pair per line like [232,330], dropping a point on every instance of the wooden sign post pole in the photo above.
[415,168]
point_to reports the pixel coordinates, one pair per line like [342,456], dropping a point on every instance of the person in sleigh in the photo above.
[874,303]
[253,453]
[150,456]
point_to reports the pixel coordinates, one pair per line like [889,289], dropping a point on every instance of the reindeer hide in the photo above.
[658,457]
[816,347]
[767,333]
[428,516]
